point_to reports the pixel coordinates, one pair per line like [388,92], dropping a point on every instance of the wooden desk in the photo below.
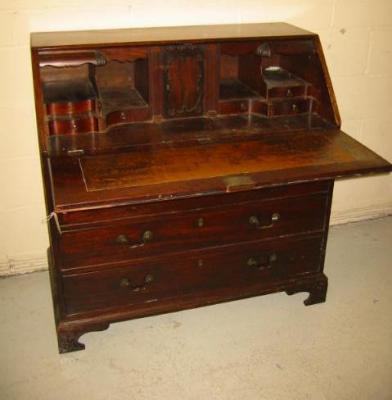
[186,166]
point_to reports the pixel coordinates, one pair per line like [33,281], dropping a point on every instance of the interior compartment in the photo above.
[70,99]
[239,71]
[82,96]
[92,91]
[266,78]
[67,85]
[122,85]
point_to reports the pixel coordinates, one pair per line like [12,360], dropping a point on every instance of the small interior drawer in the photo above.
[70,107]
[73,125]
[230,267]
[233,106]
[89,217]
[286,92]
[290,107]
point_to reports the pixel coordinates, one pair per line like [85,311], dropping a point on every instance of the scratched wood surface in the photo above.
[202,162]
[156,174]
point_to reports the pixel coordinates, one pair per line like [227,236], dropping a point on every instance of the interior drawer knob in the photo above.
[262,263]
[255,221]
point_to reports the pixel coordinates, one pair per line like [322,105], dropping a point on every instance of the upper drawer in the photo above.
[247,221]
[71,220]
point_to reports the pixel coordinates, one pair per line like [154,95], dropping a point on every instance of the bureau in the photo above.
[185,166]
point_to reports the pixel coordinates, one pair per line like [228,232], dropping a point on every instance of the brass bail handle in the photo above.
[126,283]
[255,221]
[257,262]
[146,237]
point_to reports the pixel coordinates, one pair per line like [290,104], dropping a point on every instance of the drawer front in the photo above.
[230,267]
[73,125]
[290,107]
[133,115]
[249,221]
[80,218]
[233,107]
[71,107]
[286,91]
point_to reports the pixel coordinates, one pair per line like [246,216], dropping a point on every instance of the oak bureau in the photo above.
[185,166]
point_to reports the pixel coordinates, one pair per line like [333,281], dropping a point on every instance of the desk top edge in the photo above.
[165,34]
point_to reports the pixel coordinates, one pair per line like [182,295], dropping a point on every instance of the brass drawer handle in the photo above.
[255,221]
[126,283]
[262,263]
[122,239]
[146,237]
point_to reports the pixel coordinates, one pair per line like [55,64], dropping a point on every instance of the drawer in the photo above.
[286,91]
[132,115]
[71,107]
[215,226]
[233,107]
[73,125]
[290,107]
[229,268]
[80,218]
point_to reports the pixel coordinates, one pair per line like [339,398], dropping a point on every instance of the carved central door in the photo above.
[183,81]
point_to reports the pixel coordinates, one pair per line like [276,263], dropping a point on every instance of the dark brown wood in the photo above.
[70,58]
[70,107]
[155,278]
[68,337]
[211,81]
[184,167]
[183,81]
[91,217]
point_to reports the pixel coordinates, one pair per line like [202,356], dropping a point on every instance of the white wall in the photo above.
[357,40]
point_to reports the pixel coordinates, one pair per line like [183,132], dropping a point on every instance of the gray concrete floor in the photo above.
[269,347]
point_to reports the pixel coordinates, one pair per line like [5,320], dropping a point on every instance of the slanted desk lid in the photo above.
[153,174]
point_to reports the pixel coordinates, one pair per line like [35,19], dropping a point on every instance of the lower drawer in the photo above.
[203,271]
